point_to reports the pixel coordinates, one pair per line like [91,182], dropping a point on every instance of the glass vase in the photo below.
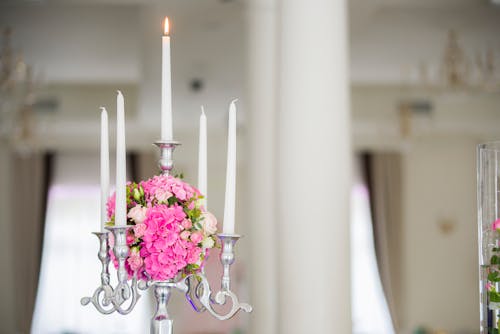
[488,196]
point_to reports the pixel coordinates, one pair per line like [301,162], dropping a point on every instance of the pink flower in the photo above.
[496,225]
[130,238]
[135,260]
[162,195]
[137,214]
[185,235]
[489,286]
[209,223]
[196,237]
[139,230]
[110,205]
[186,224]
[194,255]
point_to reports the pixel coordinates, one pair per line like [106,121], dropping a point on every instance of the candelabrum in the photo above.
[196,288]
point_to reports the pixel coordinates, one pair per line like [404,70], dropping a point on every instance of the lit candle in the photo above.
[202,157]
[104,166]
[229,205]
[166,85]
[121,169]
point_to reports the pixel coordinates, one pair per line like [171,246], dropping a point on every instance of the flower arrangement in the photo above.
[172,232]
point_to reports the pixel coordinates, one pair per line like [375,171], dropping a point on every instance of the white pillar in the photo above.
[262,97]
[314,169]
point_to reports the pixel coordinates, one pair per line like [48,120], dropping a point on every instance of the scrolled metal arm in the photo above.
[201,292]
[123,292]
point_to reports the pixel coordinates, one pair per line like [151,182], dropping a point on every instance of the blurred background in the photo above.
[357,128]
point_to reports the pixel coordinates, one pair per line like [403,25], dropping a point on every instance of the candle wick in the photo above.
[234,101]
[119,92]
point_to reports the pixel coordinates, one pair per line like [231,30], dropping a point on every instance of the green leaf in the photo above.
[494,296]
[493,277]
[172,200]
[495,259]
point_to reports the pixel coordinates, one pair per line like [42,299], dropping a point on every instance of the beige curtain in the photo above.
[29,184]
[385,183]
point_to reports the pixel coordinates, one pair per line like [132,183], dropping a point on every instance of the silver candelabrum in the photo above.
[196,288]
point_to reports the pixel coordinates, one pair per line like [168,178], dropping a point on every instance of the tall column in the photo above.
[314,168]
[261,20]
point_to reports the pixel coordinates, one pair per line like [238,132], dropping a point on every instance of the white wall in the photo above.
[389,39]
[439,270]
[77,43]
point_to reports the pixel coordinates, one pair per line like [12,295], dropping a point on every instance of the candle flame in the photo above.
[166,26]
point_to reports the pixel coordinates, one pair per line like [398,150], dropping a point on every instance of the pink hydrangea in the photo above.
[166,184]
[164,239]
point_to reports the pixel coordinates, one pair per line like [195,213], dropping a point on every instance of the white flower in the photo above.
[208,242]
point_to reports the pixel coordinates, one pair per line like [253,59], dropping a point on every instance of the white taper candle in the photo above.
[121,168]
[230,200]
[202,157]
[166,85]
[104,166]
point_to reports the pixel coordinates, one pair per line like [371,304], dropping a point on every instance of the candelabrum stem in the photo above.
[122,291]
[161,323]
[103,256]
[166,162]
[103,295]
[227,258]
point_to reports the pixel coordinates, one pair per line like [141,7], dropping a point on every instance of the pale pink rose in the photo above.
[137,214]
[186,224]
[135,260]
[489,286]
[496,225]
[196,237]
[139,230]
[209,223]
[162,195]
[185,235]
